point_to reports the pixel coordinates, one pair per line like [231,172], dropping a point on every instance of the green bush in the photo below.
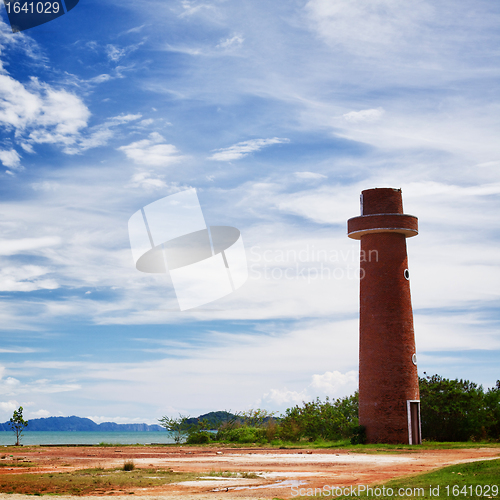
[458,410]
[328,420]
[246,435]
[359,435]
[201,437]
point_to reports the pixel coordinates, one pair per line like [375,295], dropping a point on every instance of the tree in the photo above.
[179,427]
[17,424]
[256,418]
[492,408]
[453,410]
[330,420]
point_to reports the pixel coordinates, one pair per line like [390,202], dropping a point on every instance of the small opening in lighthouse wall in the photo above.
[407,274]
[414,359]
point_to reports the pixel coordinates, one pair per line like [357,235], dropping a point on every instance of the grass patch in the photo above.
[474,480]
[89,481]
[222,473]
[227,473]
[380,448]
[18,464]
[128,465]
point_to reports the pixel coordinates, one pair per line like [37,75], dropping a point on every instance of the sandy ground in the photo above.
[281,472]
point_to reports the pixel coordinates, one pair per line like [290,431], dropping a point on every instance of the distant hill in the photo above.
[79,424]
[213,419]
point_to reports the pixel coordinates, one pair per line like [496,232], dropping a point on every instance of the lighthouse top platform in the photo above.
[382,212]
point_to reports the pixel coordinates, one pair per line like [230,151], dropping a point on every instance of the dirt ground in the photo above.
[281,472]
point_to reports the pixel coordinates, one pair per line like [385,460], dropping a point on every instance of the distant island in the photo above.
[79,424]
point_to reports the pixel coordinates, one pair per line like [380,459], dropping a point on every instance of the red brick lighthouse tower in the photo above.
[389,405]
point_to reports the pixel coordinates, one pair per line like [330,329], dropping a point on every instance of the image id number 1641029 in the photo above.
[478,490]
[33,7]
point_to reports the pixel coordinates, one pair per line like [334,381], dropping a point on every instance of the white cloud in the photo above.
[27,147]
[334,382]
[137,29]
[39,414]
[365,115]
[153,152]
[115,53]
[9,406]
[231,43]
[101,134]
[44,186]
[12,247]
[98,137]
[40,113]
[18,350]
[365,26]
[10,158]
[12,387]
[100,78]
[284,396]
[61,116]
[309,175]
[118,420]
[19,107]
[117,120]
[25,279]
[49,387]
[325,205]
[193,8]
[242,149]
[148,180]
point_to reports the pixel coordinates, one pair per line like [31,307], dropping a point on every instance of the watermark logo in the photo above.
[24,15]
[204,262]
[309,263]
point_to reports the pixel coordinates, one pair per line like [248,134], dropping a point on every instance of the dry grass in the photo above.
[89,481]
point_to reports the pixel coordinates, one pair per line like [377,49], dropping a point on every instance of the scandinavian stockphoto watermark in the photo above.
[28,14]
[309,263]
[365,491]
[205,263]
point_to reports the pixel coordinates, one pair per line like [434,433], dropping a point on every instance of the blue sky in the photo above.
[279,114]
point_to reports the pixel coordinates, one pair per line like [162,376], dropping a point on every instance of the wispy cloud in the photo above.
[101,134]
[193,8]
[231,43]
[16,246]
[309,175]
[242,149]
[152,152]
[25,279]
[365,115]
[10,158]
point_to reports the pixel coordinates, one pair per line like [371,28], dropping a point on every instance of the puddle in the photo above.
[220,478]
[290,483]
[293,474]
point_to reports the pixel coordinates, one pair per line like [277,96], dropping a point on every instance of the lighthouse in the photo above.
[389,405]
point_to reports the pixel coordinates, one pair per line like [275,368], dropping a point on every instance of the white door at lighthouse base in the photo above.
[414,427]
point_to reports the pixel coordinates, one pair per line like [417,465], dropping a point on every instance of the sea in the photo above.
[68,437]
